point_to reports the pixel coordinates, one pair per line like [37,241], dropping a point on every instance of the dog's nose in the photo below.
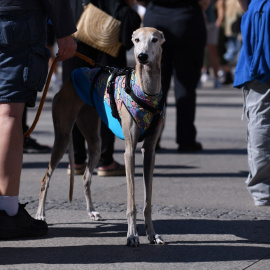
[143,57]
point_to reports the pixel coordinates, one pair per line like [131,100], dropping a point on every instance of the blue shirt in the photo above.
[254,59]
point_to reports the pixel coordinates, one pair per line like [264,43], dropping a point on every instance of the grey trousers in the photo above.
[257,104]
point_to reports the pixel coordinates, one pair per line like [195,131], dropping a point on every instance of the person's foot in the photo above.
[21,225]
[217,83]
[30,146]
[114,169]
[228,79]
[79,169]
[195,147]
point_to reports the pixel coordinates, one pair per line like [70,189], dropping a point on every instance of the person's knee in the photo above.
[13,110]
[11,116]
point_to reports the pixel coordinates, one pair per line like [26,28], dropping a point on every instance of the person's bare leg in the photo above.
[14,219]
[214,58]
[11,148]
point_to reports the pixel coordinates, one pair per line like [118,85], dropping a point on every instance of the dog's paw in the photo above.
[95,216]
[40,217]
[133,241]
[156,239]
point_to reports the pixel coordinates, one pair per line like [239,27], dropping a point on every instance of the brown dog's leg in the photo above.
[65,108]
[148,151]
[88,122]
[131,134]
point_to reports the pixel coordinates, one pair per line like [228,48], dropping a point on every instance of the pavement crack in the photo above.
[263,258]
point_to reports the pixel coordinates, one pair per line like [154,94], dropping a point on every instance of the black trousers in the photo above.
[183,51]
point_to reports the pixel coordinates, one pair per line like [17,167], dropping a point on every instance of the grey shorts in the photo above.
[23,56]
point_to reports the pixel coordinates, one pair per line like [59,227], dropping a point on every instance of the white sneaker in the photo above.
[204,77]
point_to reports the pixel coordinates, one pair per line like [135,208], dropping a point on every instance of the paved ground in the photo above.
[200,203]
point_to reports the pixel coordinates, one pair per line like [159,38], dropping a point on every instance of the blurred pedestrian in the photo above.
[252,74]
[23,71]
[211,43]
[183,25]
[229,16]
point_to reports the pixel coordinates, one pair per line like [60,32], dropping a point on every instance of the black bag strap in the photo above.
[97,3]
[111,90]
[85,2]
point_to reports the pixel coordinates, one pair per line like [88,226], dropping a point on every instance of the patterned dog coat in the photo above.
[92,85]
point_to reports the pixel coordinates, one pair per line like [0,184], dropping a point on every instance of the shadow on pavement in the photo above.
[213,248]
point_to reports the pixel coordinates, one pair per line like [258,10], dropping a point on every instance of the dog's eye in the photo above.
[137,40]
[154,40]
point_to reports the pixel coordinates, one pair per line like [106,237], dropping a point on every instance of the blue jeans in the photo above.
[233,46]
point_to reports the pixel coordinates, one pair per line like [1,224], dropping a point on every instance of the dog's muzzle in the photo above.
[143,58]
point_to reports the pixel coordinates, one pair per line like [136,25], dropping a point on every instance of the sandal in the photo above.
[78,169]
[117,170]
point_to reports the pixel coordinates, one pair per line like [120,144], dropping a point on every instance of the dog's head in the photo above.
[147,45]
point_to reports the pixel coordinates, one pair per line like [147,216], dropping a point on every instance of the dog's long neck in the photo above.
[149,77]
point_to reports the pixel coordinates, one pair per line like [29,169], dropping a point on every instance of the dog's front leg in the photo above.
[148,152]
[132,234]
[131,135]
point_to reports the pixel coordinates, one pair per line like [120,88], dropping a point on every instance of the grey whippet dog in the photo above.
[68,108]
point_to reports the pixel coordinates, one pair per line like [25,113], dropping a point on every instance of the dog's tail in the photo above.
[71,164]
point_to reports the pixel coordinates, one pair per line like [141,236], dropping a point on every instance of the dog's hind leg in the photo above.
[89,124]
[40,214]
[63,120]
[148,151]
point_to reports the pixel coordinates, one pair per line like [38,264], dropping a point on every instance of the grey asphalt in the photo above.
[200,203]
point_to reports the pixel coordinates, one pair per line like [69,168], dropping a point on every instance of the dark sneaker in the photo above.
[21,225]
[196,147]
[228,78]
[113,169]
[32,147]
[79,169]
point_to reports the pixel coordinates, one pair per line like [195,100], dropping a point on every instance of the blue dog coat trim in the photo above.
[92,87]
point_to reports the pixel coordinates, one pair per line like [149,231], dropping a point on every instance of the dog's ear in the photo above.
[162,37]
[133,36]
